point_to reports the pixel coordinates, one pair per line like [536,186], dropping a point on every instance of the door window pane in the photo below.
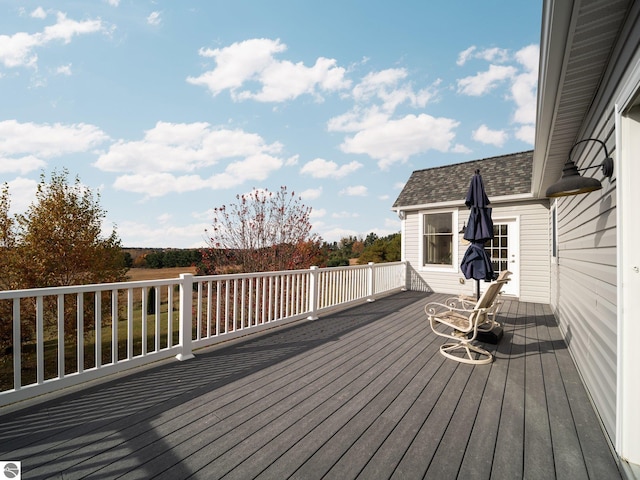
[498,246]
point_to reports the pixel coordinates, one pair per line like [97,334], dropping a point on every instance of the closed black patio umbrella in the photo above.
[476,262]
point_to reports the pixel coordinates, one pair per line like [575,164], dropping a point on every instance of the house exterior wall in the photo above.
[584,290]
[596,311]
[533,218]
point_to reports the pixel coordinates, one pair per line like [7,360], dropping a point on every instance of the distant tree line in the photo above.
[170,258]
[362,251]
[347,251]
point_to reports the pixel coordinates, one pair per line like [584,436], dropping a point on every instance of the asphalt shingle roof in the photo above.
[502,175]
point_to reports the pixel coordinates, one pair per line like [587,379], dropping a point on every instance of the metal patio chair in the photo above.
[467,302]
[465,323]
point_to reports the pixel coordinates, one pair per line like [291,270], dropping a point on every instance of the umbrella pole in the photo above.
[477,289]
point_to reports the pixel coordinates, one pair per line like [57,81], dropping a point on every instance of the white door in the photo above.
[504,251]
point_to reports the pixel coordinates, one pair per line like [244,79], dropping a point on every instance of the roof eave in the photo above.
[555,45]
[460,203]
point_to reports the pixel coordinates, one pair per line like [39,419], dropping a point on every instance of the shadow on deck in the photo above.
[361,393]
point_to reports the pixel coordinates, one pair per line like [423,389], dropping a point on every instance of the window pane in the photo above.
[437,249]
[438,239]
[435,223]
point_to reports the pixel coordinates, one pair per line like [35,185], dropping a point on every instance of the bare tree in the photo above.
[264,231]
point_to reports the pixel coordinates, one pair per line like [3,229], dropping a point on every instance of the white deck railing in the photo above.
[64,336]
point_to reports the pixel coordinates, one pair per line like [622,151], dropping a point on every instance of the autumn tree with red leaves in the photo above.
[264,231]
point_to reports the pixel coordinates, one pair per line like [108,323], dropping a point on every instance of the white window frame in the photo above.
[454,267]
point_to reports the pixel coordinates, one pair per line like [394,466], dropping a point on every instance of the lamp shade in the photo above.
[572,183]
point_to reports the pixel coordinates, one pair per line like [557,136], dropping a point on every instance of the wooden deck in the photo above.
[361,393]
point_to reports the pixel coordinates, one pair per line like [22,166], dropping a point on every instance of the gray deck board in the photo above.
[362,393]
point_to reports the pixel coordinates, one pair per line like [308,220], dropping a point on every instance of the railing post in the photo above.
[186,314]
[371,287]
[407,279]
[313,294]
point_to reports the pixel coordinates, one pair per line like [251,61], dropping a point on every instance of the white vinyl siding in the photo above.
[535,245]
[533,250]
[584,284]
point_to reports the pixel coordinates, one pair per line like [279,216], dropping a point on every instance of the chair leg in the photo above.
[482,356]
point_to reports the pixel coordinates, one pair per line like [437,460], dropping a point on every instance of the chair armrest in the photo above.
[434,308]
[464,302]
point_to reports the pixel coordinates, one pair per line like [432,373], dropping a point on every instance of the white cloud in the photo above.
[113,3]
[358,119]
[17,50]
[387,87]
[335,234]
[318,213]
[521,79]
[26,146]
[64,70]
[393,223]
[465,55]
[397,140]
[196,145]
[159,184]
[292,160]
[311,193]
[22,191]
[39,13]
[484,82]
[345,214]
[164,218]
[163,183]
[526,133]
[525,84]
[254,61]
[320,168]
[65,29]
[22,165]
[134,234]
[492,137]
[154,19]
[499,55]
[495,54]
[376,130]
[355,191]
[459,148]
[187,157]
[375,82]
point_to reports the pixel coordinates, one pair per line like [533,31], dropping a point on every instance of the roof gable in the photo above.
[502,175]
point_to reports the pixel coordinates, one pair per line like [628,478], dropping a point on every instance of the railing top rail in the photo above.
[233,276]
[73,289]
[96,287]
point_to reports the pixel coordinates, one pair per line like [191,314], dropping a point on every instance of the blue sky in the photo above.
[169,109]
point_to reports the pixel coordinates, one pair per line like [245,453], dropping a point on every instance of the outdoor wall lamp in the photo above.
[572,183]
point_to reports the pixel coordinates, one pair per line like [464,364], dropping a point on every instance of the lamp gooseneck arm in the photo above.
[606,152]
[607,163]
